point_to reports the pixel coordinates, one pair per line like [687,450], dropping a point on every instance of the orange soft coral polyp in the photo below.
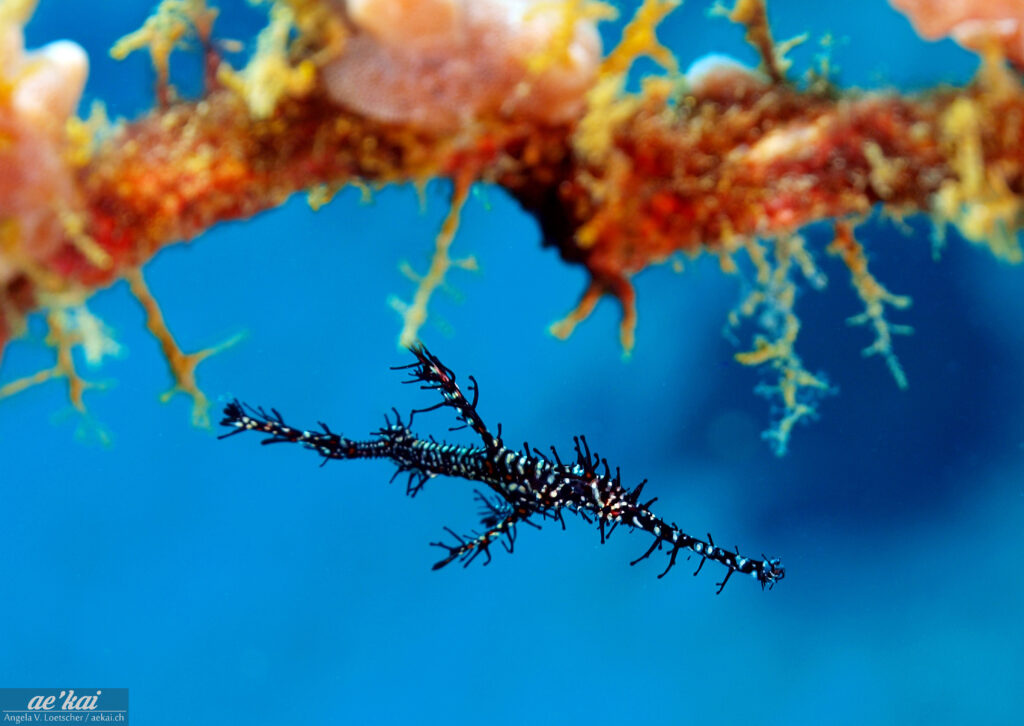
[974,24]
[444,64]
[39,91]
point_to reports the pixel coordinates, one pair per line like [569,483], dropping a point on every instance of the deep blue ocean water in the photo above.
[225,583]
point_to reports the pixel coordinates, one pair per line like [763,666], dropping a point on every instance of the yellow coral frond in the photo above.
[772,300]
[164,31]
[69,328]
[606,109]
[414,314]
[753,15]
[875,297]
[563,328]
[270,76]
[321,27]
[84,135]
[183,365]
[883,170]
[639,38]
[16,12]
[979,201]
[556,51]
[159,34]
[74,224]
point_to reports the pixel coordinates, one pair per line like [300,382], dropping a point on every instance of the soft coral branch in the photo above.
[637,178]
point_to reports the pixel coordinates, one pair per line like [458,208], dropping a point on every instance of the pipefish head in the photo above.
[770,572]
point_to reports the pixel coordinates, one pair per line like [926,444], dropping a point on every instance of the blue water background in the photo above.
[226,583]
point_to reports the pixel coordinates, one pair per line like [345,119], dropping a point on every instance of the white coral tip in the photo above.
[53,84]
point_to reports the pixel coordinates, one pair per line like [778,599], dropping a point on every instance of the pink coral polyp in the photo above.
[453,61]
[41,90]
[972,23]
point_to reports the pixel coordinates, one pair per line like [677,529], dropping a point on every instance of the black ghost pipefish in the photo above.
[524,484]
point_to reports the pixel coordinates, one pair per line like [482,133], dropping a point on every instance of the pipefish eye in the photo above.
[772,571]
